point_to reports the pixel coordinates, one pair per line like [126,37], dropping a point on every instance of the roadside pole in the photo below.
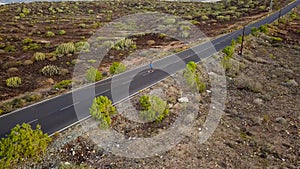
[242,45]
[271,5]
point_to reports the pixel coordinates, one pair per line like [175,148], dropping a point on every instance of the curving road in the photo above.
[58,113]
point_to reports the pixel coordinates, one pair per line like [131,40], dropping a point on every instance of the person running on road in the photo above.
[151,67]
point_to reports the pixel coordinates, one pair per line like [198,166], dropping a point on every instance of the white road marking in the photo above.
[32,121]
[69,106]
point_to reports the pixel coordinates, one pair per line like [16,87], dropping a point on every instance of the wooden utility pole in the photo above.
[271,5]
[242,45]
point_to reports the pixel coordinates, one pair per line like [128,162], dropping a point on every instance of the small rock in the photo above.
[67,163]
[281,120]
[258,101]
[111,57]
[183,100]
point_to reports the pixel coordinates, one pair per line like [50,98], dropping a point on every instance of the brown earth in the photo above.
[80,20]
[260,127]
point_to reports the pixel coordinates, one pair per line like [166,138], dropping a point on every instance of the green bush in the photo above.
[229,51]
[264,29]
[117,68]
[154,108]
[145,102]
[62,32]
[50,70]
[82,46]
[1,112]
[39,56]
[192,78]
[239,39]
[27,41]
[66,48]
[64,84]
[10,48]
[204,18]
[50,34]
[82,25]
[276,39]
[93,75]
[32,46]
[13,82]
[125,44]
[26,11]
[23,143]
[101,110]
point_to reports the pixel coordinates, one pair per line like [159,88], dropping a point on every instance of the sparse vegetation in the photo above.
[50,34]
[117,68]
[50,70]
[192,77]
[93,75]
[102,110]
[39,56]
[13,82]
[125,44]
[23,143]
[62,32]
[64,84]
[153,108]
[66,48]
[82,46]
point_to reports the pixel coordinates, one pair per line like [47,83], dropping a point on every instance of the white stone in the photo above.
[183,100]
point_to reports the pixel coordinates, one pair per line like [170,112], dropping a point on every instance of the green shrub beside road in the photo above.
[153,108]
[23,143]
[192,77]
[101,110]
[117,68]
[93,75]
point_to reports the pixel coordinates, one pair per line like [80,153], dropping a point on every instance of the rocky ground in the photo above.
[260,127]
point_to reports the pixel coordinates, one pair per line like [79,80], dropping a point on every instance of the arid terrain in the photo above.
[30,34]
[260,127]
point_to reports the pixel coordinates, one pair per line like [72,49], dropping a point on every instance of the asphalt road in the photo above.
[58,113]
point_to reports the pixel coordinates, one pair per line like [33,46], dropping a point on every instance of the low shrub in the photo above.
[145,102]
[39,56]
[101,110]
[50,34]
[117,68]
[125,44]
[10,48]
[82,46]
[64,84]
[66,48]
[27,41]
[229,51]
[154,108]
[13,82]
[93,75]
[264,29]
[32,46]
[50,70]
[23,143]
[192,78]
[62,32]
[276,39]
